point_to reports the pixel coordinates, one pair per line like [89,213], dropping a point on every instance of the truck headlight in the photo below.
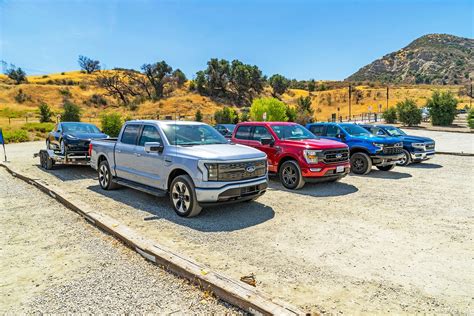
[311,156]
[418,145]
[71,137]
[212,171]
[378,145]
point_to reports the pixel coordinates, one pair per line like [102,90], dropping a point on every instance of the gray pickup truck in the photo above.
[190,161]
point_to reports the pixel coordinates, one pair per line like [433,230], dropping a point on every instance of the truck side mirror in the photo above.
[154,147]
[341,136]
[266,141]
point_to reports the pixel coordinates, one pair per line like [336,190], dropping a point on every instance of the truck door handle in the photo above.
[119,151]
[138,155]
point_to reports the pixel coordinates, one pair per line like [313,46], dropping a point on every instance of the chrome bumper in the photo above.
[422,155]
[211,195]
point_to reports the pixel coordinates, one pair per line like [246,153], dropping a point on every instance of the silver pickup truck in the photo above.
[190,161]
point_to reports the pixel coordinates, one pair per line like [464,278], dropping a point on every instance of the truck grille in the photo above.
[241,170]
[335,155]
[430,146]
[392,149]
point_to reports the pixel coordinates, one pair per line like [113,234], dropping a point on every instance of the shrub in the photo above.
[198,116]
[15,136]
[390,115]
[192,85]
[279,84]
[45,112]
[442,107]
[96,99]
[275,110]
[226,116]
[408,113]
[16,73]
[470,118]
[65,93]
[22,97]
[111,124]
[38,127]
[83,86]
[291,113]
[72,112]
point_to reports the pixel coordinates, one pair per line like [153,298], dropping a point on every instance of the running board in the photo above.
[140,187]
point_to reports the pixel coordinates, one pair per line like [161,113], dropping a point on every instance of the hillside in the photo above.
[430,59]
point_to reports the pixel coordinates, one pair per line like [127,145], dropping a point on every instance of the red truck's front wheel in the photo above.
[290,175]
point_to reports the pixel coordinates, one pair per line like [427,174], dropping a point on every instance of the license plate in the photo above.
[339,169]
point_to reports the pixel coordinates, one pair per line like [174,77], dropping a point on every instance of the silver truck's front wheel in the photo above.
[183,197]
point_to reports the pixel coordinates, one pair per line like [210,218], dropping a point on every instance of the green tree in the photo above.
[180,77]
[198,116]
[217,75]
[111,124]
[88,65]
[311,85]
[390,115]
[45,112]
[470,118]
[304,112]
[16,73]
[442,107]
[291,113]
[200,82]
[157,74]
[408,113]
[71,113]
[279,84]
[226,116]
[274,109]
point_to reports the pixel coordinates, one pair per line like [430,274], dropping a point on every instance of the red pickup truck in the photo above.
[294,153]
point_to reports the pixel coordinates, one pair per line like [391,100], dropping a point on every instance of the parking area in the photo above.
[448,141]
[397,241]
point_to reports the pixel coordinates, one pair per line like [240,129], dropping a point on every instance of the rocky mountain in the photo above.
[430,59]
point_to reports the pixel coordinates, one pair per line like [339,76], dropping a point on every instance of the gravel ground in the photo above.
[54,262]
[398,242]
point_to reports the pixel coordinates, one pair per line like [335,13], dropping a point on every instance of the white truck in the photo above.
[190,161]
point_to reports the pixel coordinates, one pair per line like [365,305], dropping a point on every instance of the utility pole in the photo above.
[350,97]
[470,99]
[387,98]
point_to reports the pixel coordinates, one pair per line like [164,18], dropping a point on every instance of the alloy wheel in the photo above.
[289,175]
[181,197]
[104,176]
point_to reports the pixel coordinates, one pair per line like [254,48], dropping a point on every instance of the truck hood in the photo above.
[87,136]
[314,143]
[220,152]
[379,139]
[416,139]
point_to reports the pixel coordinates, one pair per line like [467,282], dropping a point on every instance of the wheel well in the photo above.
[174,174]
[101,158]
[283,160]
[359,150]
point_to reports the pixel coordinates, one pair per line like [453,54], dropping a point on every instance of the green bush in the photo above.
[72,112]
[65,93]
[408,113]
[442,107]
[15,136]
[226,116]
[38,127]
[275,109]
[22,97]
[111,124]
[390,115]
[45,112]
[198,116]
[470,118]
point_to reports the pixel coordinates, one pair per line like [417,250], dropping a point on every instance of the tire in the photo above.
[290,175]
[386,168]
[361,163]
[105,176]
[183,197]
[46,162]
[406,160]
[62,147]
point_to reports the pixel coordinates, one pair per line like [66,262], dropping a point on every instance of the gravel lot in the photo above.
[399,242]
[54,262]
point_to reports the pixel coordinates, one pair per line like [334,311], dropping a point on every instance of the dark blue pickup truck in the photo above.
[415,148]
[366,150]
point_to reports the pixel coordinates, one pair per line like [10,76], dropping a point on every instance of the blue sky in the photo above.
[299,39]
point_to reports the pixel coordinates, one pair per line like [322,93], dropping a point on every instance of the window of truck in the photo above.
[355,130]
[243,132]
[317,130]
[190,135]
[292,132]
[394,131]
[261,132]
[333,131]
[149,134]
[130,134]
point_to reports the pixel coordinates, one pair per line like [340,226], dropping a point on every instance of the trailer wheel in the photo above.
[105,176]
[46,161]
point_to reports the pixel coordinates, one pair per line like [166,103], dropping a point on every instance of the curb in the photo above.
[234,292]
[454,154]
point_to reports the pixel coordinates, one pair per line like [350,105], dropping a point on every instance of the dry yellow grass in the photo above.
[183,103]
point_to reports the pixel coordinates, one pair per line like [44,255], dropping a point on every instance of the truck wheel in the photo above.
[105,176]
[361,163]
[406,160]
[290,175]
[45,161]
[386,168]
[183,197]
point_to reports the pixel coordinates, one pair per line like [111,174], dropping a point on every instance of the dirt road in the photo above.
[54,262]
[397,241]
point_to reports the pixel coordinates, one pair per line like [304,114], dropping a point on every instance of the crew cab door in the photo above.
[243,134]
[332,132]
[258,133]
[125,153]
[149,165]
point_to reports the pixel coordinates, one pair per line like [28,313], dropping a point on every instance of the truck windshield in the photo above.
[190,135]
[355,130]
[80,128]
[292,132]
[394,131]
